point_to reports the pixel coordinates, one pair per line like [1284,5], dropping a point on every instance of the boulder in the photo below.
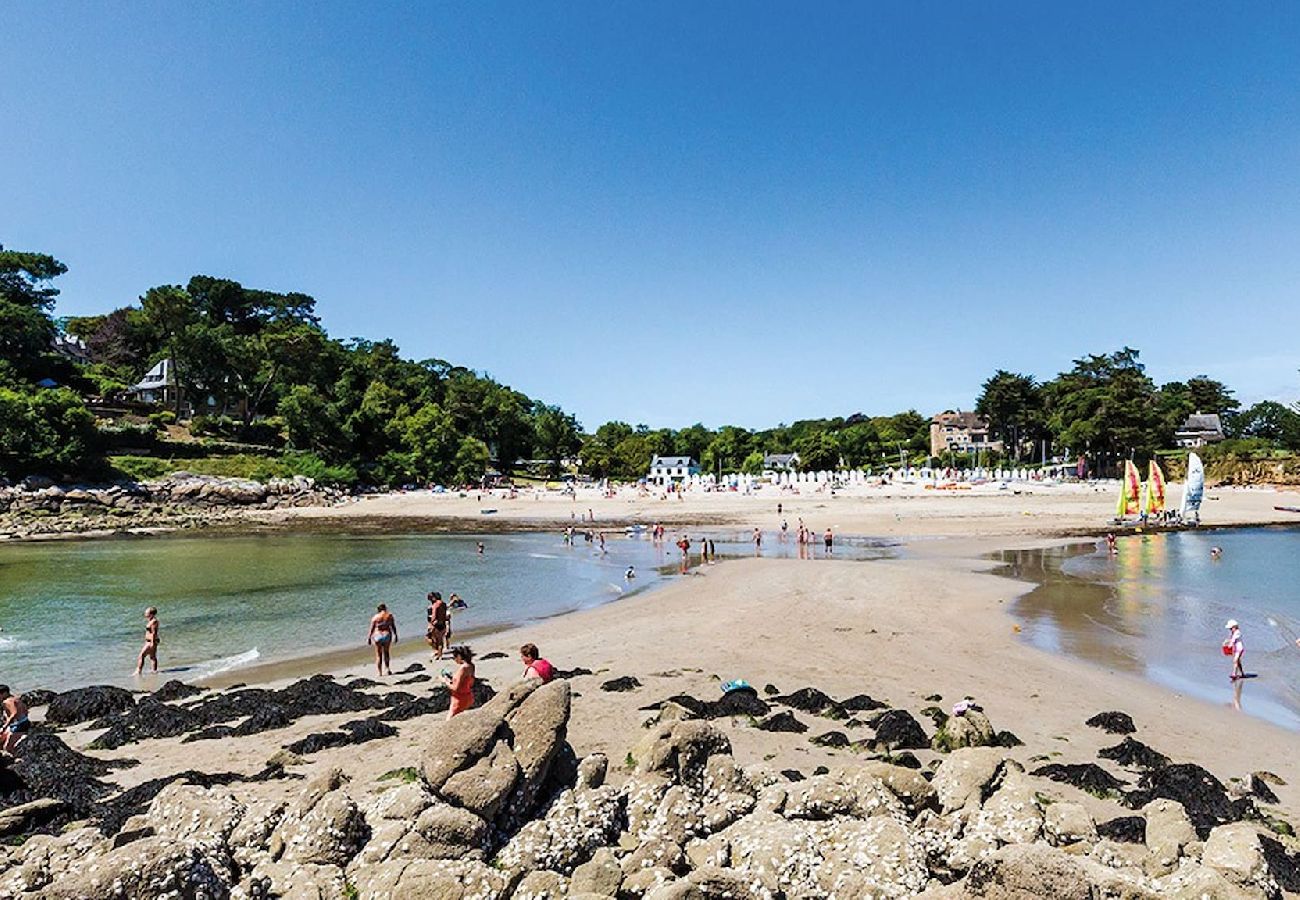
[679,750]
[541,885]
[1168,831]
[448,833]
[1237,852]
[963,777]
[860,795]
[322,826]
[971,729]
[1069,823]
[150,867]
[907,784]
[538,727]
[456,743]
[875,858]
[575,825]
[1011,815]
[483,787]
[592,770]
[25,817]
[599,875]
[1029,872]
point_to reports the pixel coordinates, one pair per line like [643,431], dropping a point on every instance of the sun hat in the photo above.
[1232,623]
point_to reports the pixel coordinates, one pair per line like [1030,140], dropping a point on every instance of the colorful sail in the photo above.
[1155,499]
[1130,492]
[1194,489]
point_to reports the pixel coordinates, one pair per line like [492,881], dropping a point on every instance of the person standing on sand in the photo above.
[16,724]
[1235,644]
[534,665]
[151,640]
[460,681]
[829,540]
[382,635]
[437,632]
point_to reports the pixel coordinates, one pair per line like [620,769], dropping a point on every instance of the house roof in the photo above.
[960,419]
[780,459]
[672,462]
[1203,422]
[161,375]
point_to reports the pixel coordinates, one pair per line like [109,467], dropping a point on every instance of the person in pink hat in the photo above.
[1238,648]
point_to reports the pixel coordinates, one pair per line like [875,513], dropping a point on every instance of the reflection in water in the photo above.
[1158,607]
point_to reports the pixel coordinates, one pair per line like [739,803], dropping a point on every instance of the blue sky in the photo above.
[674,212]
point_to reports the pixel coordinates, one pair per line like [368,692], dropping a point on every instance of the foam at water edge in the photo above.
[225,664]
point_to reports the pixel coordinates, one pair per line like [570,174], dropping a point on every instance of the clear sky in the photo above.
[667,212]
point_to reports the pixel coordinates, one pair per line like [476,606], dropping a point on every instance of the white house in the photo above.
[158,384]
[1199,429]
[665,470]
[774,463]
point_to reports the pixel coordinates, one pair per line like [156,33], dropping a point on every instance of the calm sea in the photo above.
[1159,606]
[72,612]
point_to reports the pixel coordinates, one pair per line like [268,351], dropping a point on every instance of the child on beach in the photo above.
[16,723]
[1235,644]
[150,649]
[382,635]
[461,681]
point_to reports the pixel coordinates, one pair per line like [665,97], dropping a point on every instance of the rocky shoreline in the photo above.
[496,803]
[38,508]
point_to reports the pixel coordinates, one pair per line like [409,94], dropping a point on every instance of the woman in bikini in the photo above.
[150,649]
[461,681]
[383,634]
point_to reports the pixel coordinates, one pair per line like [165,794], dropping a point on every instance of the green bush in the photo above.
[44,432]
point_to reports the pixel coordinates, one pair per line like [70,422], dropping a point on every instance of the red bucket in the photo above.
[1227,650]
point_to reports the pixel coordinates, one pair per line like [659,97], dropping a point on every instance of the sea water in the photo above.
[1158,608]
[71,613]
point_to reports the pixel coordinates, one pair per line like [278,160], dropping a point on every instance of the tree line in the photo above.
[261,369]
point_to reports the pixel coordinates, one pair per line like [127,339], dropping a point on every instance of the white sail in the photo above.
[1193,489]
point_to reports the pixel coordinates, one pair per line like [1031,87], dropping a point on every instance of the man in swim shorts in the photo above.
[151,639]
[16,723]
[436,634]
[383,634]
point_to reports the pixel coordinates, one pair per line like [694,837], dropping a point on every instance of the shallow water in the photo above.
[1158,609]
[72,612]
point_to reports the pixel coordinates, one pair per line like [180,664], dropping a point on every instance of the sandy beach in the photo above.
[899,510]
[917,632]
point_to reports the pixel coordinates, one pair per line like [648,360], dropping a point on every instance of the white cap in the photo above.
[1232,623]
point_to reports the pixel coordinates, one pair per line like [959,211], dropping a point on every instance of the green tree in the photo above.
[1013,405]
[727,450]
[1106,407]
[691,441]
[471,461]
[44,431]
[818,452]
[557,434]
[1272,422]
[859,444]
[753,464]
[309,420]
[26,296]
[431,438]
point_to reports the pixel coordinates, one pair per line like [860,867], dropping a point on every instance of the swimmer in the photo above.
[1110,544]
[480,548]
[151,640]
[1216,552]
[630,573]
[382,635]
[16,724]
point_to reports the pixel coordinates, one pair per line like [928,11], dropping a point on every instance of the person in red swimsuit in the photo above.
[461,681]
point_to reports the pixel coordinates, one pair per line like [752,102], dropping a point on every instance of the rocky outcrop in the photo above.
[500,808]
[37,507]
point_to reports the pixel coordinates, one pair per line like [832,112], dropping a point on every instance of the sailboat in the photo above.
[1154,503]
[1130,492]
[1193,490]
